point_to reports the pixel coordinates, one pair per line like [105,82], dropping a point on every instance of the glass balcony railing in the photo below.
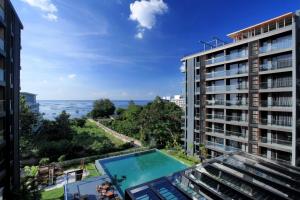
[233,72]
[235,134]
[215,116]
[214,130]
[236,87]
[2,15]
[220,88]
[277,103]
[2,105]
[275,141]
[227,58]
[276,46]
[285,123]
[236,118]
[215,102]
[236,103]
[1,74]
[1,44]
[280,64]
[215,60]
[197,90]
[276,84]
[197,102]
[222,146]
[197,78]
[283,159]
[215,74]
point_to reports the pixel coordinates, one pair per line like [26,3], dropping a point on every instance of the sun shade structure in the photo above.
[232,176]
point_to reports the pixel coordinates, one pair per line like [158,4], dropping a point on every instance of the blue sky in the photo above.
[121,49]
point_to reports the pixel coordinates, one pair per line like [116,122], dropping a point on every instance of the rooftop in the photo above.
[232,176]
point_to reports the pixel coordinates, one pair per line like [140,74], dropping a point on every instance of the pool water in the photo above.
[141,167]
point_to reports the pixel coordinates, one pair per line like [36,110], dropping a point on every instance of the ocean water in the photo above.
[76,108]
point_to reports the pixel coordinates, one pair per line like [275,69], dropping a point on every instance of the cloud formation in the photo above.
[46,6]
[71,76]
[145,12]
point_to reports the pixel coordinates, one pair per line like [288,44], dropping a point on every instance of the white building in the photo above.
[30,99]
[177,99]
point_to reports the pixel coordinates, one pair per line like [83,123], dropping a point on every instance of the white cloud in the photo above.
[144,12]
[46,6]
[71,76]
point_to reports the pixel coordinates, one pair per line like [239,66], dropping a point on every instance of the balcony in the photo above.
[276,84]
[237,87]
[197,78]
[236,103]
[215,116]
[280,64]
[221,147]
[214,130]
[197,90]
[235,134]
[215,102]
[220,88]
[197,102]
[2,15]
[282,160]
[2,50]
[235,118]
[1,75]
[285,44]
[215,74]
[276,122]
[233,72]
[287,102]
[275,141]
[226,58]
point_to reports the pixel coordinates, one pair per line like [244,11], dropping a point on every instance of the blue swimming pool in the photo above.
[140,167]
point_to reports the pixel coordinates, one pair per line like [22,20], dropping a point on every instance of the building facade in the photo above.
[10,45]
[244,95]
[30,99]
[177,99]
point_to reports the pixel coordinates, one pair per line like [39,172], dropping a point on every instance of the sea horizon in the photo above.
[77,108]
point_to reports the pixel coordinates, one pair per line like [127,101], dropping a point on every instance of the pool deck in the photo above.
[87,188]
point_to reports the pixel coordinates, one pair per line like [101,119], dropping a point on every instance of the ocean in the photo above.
[76,108]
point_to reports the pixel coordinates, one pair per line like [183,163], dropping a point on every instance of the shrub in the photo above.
[61,158]
[44,161]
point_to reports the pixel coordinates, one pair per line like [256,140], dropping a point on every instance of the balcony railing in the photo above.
[276,84]
[236,87]
[232,72]
[276,46]
[197,90]
[215,102]
[235,134]
[215,116]
[222,146]
[215,60]
[276,122]
[197,102]
[236,118]
[2,105]
[236,103]
[220,88]
[276,141]
[280,64]
[1,74]
[277,103]
[197,77]
[283,160]
[226,58]
[2,15]
[214,130]
[215,74]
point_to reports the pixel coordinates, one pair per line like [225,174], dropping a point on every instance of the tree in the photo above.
[28,122]
[102,108]
[160,123]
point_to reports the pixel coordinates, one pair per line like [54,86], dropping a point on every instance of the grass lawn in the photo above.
[114,140]
[188,160]
[55,194]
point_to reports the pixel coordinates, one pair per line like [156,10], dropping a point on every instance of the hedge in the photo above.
[89,159]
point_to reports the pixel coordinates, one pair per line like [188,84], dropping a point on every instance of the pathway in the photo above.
[120,136]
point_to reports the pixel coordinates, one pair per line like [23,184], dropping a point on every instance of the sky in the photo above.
[124,49]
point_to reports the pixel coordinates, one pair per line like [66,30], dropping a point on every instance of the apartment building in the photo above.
[244,95]
[177,99]
[30,99]
[10,45]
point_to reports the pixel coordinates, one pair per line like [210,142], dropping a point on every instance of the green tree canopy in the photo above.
[102,108]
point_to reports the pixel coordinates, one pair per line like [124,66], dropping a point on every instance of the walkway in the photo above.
[120,136]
